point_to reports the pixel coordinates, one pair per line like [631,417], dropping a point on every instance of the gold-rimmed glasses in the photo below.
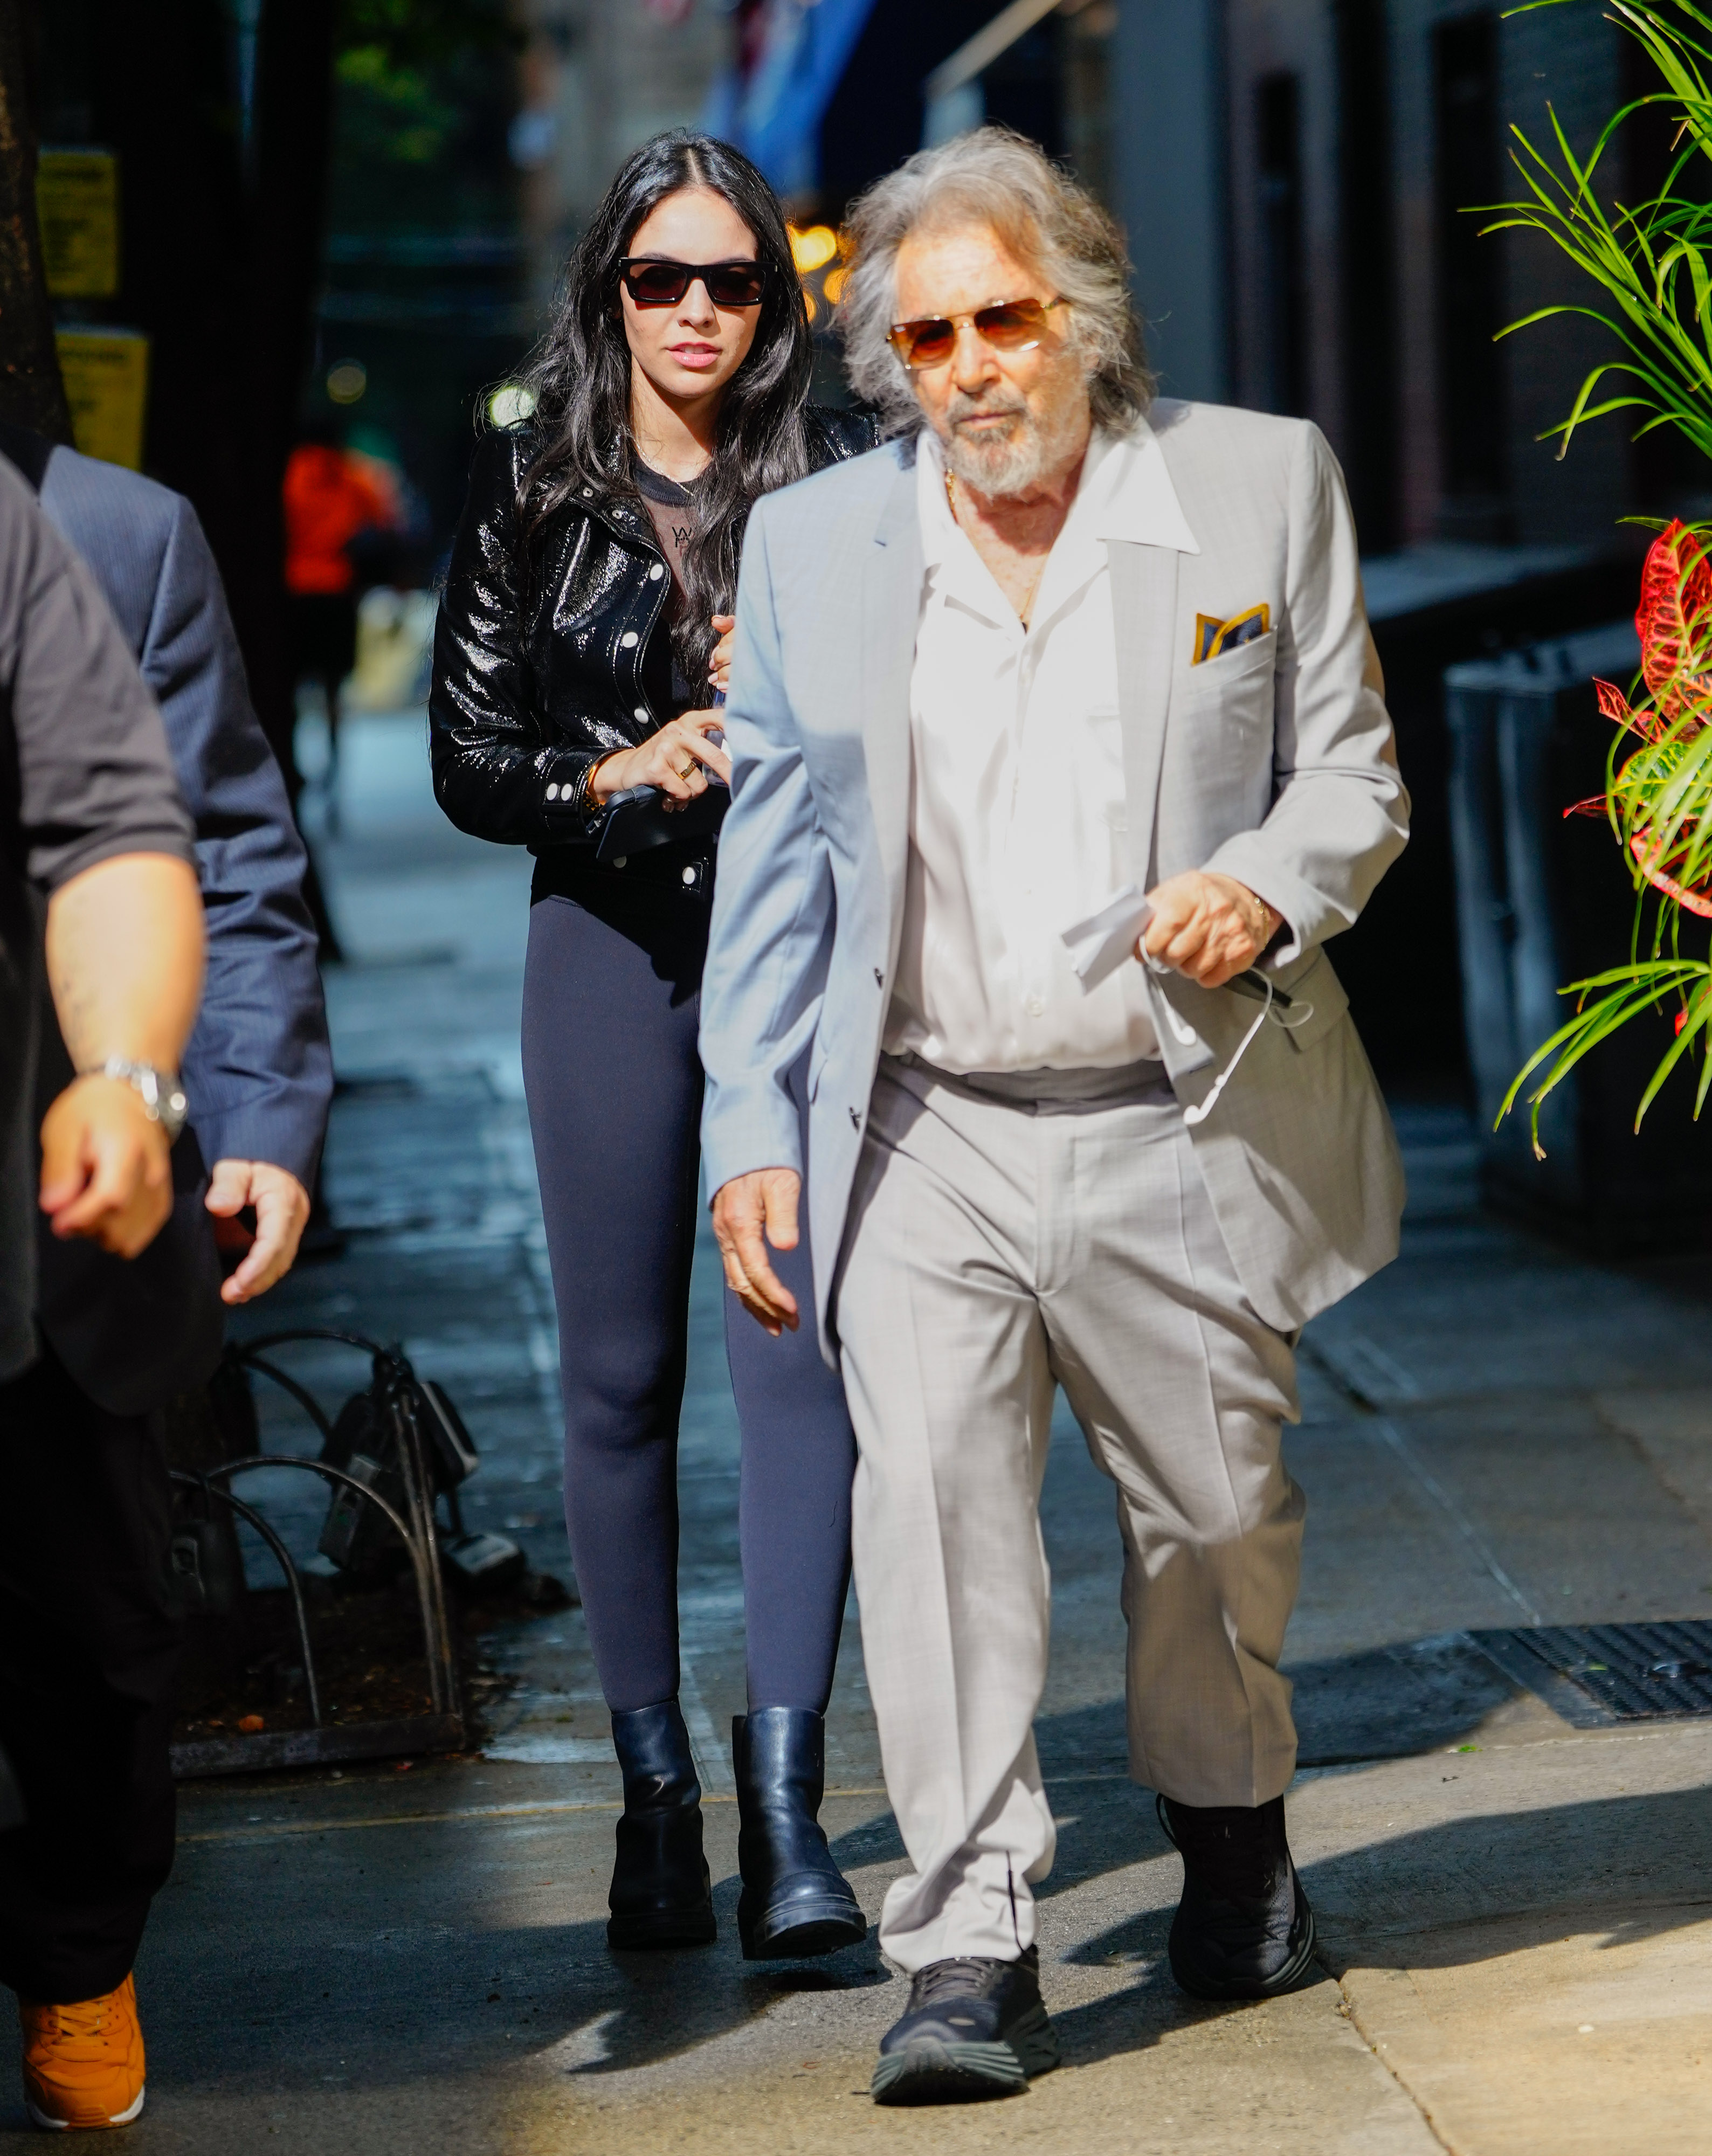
[1012,325]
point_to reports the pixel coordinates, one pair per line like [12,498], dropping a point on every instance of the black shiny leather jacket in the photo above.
[528,695]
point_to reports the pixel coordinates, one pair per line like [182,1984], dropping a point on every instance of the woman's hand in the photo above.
[719,666]
[673,760]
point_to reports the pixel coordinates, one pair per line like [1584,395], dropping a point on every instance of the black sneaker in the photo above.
[1243,1928]
[975,2029]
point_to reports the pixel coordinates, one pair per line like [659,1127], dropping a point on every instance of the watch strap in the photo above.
[162,1096]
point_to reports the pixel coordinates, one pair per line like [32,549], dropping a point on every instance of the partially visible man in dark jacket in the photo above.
[75,1883]
[258,1071]
[92,825]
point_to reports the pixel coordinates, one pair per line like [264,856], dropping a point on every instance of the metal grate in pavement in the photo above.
[1614,1672]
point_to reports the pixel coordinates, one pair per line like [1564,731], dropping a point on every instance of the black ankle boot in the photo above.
[661,1895]
[795,1901]
[1243,1928]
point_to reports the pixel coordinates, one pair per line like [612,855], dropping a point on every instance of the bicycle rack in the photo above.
[326,1743]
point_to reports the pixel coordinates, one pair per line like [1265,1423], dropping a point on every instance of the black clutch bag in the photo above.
[638,819]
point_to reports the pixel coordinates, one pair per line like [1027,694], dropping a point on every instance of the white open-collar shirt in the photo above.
[1017,808]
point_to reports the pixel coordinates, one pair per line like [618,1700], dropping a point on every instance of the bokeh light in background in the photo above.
[510,404]
[812,248]
[347,380]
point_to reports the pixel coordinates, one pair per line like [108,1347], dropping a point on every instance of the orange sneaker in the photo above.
[83,2064]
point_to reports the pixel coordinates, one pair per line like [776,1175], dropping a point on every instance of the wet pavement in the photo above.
[1515,1911]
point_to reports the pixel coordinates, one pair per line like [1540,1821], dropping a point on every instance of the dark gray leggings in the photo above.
[611,1005]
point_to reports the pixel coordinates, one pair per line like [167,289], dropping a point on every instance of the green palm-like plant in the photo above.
[1651,259]
[1652,262]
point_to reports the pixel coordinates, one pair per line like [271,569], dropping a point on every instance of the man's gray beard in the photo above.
[1016,462]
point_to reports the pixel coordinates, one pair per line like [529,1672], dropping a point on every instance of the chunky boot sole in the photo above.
[803,1929]
[1299,1969]
[795,1903]
[929,2072]
[647,1929]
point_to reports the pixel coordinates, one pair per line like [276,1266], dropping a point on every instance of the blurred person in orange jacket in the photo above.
[331,498]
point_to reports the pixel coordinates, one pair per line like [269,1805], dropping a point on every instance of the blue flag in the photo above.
[775,115]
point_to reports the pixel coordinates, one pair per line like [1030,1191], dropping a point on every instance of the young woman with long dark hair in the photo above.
[583,629]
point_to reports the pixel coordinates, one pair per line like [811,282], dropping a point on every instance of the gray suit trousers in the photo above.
[999,1246]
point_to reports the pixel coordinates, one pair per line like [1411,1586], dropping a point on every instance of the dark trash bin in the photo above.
[1543,900]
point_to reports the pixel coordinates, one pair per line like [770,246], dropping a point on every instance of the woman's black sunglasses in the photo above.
[652,283]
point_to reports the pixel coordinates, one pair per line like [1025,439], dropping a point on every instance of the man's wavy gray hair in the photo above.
[994,178]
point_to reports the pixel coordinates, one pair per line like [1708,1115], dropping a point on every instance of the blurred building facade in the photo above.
[1296,182]
[599,77]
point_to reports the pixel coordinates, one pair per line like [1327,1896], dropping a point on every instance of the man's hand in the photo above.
[106,1167]
[765,1198]
[1207,927]
[281,1207]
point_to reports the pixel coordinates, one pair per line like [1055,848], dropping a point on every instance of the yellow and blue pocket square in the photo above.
[1213,637]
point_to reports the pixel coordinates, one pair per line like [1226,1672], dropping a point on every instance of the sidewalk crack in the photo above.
[1354,2018]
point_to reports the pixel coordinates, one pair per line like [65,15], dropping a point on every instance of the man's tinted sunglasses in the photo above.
[654,284]
[1017,326]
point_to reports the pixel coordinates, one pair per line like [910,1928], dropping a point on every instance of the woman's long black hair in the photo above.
[581,377]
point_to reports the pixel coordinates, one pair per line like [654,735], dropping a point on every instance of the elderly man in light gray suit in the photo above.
[1052,649]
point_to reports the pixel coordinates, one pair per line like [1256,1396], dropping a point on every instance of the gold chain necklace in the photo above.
[1024,609]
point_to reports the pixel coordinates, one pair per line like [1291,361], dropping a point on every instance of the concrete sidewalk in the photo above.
[1516,1914]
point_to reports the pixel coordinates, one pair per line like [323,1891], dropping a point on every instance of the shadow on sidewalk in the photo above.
[1384,1704]
[442,1950]
[1464,1892]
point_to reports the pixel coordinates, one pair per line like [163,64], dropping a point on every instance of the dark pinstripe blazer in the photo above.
[258,1069]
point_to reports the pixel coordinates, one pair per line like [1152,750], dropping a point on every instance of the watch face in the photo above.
[168,1103]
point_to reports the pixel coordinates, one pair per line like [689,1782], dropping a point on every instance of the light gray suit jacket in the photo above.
[1274,763]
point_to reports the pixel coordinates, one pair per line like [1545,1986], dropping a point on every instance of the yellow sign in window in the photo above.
[107,376]
[77,208]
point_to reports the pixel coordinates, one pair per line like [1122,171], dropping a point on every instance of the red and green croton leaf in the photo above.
[1674,624]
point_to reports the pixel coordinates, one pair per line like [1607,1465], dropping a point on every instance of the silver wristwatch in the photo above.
[163,1098]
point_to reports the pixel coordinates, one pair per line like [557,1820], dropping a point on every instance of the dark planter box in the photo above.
[1399,962]
[1543,900]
